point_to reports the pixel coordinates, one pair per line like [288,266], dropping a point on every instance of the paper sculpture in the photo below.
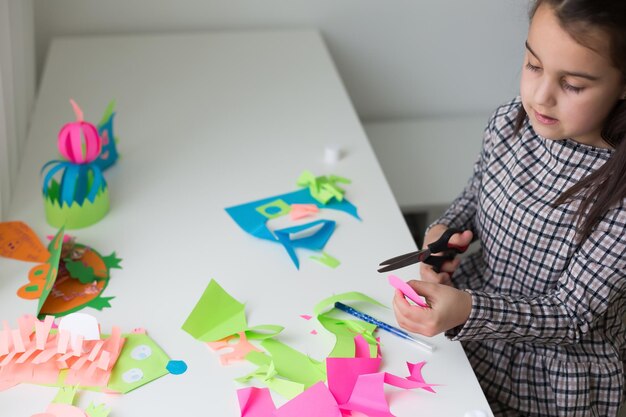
[80,197]
[70,277]
[108,156]
[252,217]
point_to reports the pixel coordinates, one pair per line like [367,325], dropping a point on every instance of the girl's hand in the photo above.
[449,308]
[426,271]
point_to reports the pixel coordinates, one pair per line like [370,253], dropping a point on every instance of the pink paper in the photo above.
[255,402]
[407,290]
[313,331]
[238,351]
[299,211]
[306,316]
[316,401]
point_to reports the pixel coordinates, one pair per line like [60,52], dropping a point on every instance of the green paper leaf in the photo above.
[65,395]
[80,271]
[215,316]
[112,261]
[100,410]
[55,247]
[100,303]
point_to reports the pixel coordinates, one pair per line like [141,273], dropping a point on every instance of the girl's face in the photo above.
[568,89]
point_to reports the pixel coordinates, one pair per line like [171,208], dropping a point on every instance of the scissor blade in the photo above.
[423,254]
[406,261]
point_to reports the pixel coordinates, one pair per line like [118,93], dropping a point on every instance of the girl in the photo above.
[539,307]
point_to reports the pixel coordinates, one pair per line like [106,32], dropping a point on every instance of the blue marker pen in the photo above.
[388,327]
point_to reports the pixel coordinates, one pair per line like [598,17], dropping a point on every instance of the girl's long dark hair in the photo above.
[605,187]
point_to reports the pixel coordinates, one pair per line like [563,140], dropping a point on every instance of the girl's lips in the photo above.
[545,119]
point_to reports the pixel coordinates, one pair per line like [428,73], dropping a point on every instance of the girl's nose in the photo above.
[545,92]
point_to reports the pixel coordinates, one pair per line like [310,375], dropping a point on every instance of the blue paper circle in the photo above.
[176,367]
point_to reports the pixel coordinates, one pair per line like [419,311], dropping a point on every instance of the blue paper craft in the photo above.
[252,218]
[108,156]
[314,241]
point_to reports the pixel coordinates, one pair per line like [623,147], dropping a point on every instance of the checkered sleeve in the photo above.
[462,211]
[593,280]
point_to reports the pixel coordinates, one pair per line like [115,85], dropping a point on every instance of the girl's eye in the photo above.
[569,87]
[532,67]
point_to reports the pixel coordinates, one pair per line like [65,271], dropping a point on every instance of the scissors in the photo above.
[426,255]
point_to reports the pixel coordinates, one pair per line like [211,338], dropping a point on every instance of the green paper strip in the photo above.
[344,331]
[263,331]
[346,296]
[216,315]
[326,259]
[55,247]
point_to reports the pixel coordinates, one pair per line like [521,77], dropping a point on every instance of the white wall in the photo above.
[17,88]
[398,58]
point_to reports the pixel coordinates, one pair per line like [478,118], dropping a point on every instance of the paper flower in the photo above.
[80,197]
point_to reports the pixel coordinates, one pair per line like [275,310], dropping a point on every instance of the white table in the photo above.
[207,121]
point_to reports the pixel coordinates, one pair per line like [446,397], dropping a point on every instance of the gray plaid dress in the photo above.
[545,335]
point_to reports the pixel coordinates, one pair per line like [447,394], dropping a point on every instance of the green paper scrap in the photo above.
[80,271]
[323,188]
[107,113]
[75,216]
[274,209]
[216,315]
[266,374]
[326,259]
[55,247]
[100,410]
[294,365]
[65,395]
[344,331]
[140,362]
[263,331]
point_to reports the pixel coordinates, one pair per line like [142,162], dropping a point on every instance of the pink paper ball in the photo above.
[79,141]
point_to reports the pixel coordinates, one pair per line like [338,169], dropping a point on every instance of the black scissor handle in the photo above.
[437,261]
[443,243]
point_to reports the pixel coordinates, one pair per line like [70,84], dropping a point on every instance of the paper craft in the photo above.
[216,315]
[74,277]
[141,361]
[80,197]
[18,241]
[252,218]
[407,290]
[236,348]
[323,189]
[108,156]
[62,406]
[317,401]
[288,237]
[299,211]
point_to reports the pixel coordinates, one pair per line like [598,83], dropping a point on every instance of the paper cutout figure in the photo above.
[299,211]
[407,290]
[108,156]
[62,406]
[233,348]
[323,189]
[252,218]
[18,241]
[74,277]
[141,361]
[80,197]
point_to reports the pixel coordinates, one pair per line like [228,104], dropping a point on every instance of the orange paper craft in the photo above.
[18,241]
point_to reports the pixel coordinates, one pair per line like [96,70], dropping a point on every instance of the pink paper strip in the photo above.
[407,290]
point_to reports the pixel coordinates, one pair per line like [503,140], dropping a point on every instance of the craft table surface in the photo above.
[207,121]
